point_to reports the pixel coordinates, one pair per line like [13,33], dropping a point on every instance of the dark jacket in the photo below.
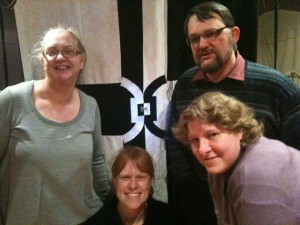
[158,213]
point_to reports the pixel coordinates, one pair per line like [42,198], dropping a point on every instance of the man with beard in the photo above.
[212,35]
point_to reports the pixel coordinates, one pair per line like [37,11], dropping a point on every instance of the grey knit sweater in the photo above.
[262,188]
[50,172]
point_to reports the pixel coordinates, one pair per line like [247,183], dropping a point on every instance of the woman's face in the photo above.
[62,59]
[133,187]
[216,149]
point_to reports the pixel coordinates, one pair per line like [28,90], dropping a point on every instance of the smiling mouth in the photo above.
[62,67]
[210,158]
[133,194]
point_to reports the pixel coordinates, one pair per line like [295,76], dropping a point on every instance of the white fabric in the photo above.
[288,42]
[97,23]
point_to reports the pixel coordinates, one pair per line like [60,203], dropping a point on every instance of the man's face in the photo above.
[213,51]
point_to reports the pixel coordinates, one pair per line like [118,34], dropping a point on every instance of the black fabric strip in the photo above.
[131,38]
[275,31]
[3,48]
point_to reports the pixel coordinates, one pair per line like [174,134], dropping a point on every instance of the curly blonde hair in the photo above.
[222,111]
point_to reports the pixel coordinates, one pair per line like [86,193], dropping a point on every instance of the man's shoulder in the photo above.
[262,71]
[257,67]
[189,73]
[186,78]
[256,71]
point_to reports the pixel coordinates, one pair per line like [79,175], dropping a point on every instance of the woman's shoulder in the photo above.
[17,93]
[85,97]
[270,151]
[161,213]
[107,215]
[88,102]
[19,88]
[265,163]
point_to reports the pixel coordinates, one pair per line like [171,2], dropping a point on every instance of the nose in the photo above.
[60,55]
[204,146]
[202,42]
[132,183]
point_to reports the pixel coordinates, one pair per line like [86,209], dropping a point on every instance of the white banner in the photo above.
[111,69]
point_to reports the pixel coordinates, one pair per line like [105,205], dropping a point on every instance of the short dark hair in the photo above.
[205,10]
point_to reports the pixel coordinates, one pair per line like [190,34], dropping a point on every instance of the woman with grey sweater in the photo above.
[52,168]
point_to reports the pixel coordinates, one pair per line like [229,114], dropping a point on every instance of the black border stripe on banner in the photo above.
[131,40]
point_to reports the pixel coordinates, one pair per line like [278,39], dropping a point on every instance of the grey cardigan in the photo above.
[263,187]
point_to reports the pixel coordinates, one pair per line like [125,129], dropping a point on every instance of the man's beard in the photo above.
[215,65]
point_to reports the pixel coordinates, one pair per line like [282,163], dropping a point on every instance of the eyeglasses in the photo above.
[208,35]
[67,52]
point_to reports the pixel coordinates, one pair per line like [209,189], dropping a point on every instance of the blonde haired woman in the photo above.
[253,179]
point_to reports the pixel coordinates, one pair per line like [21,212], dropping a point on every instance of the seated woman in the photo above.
[132,202]
[253,179]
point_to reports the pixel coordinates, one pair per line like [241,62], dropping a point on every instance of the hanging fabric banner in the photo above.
[126,46]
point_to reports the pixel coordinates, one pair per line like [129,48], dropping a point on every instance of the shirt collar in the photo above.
[237,72]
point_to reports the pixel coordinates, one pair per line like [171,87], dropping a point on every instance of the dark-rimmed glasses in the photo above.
[209,35]
[67,52]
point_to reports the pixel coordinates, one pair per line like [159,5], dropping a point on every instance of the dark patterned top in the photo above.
[275,99]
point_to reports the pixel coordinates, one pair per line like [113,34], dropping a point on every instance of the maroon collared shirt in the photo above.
[237,72]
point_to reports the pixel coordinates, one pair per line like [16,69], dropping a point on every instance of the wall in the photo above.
[288,37]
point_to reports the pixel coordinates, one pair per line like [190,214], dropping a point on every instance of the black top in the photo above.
[158,213]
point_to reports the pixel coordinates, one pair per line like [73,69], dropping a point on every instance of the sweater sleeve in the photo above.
[5,118]
[260,194]
[100,176]
[260,208]
[277,214]
[291,121]
[5,109]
